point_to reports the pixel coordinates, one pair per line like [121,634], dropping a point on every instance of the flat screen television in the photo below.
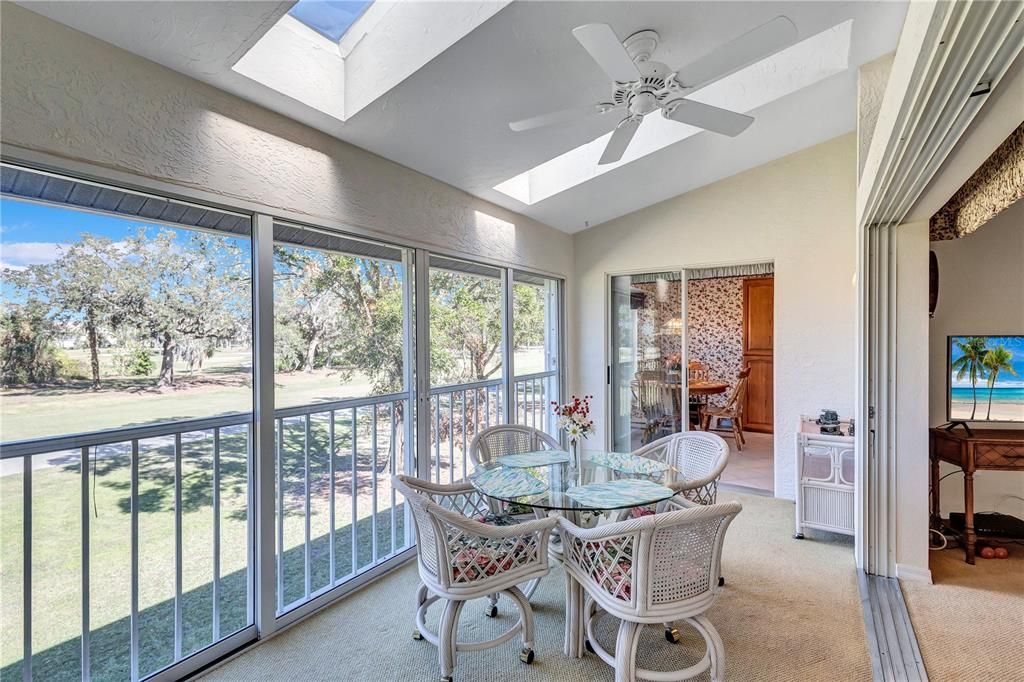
[985,378]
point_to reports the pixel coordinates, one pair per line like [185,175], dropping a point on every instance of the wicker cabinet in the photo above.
[825,475]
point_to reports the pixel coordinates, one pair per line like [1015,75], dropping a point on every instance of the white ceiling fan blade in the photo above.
[607,50]
[705,116]
[752,46]
[620,139]
[562,116]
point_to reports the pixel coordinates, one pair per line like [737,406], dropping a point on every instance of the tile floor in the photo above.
[754,467]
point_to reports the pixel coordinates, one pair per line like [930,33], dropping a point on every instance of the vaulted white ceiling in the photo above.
[449,119]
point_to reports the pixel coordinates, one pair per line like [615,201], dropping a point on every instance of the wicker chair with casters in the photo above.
[649,570]
[460,559]
[732,410]
[698,457]
[512,439]
[508,439]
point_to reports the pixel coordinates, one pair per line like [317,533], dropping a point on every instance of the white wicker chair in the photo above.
[513,439]
[508,439]
[460,559]
[648,570]
[699,457]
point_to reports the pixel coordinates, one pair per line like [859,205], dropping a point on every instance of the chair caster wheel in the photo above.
[798,536]
[417,635]
[491,611]
[672,635]
[588,646]
[526,656]
[721,581]
[446,678]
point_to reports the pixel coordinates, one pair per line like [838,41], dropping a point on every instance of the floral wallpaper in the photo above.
[662,303]
[715,327]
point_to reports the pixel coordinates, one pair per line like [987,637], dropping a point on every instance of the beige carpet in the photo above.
[790,611]
[970,622]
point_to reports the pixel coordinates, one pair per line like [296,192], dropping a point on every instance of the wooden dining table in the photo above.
[701,388]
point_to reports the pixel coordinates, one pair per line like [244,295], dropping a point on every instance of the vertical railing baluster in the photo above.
[451,437]
[177,548]
[534,402]
[373,482]
[476,411]
[216,534]
[394,453]
[330,506]
[134,636]
[355,509]
[26,567]
[436,406]
[250,571]
[86,672]
[463,422]
[307,555]
[280,515]
[487,407]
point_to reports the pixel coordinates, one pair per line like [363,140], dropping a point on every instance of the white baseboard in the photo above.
[913,573]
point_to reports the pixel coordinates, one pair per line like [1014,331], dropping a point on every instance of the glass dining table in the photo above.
[601,482]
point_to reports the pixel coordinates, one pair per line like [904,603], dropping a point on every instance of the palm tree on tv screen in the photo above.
[970,363]
[995,361]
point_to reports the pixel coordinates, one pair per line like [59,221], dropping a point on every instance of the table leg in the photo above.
[574,628]
[936,514]
[969,515]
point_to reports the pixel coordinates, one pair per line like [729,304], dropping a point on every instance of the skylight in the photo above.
[795,68]
[329,18]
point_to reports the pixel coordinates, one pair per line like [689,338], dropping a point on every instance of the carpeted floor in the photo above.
[790,611]
[970,622]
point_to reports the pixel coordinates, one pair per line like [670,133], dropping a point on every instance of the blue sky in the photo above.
[32,234]
[1014,344]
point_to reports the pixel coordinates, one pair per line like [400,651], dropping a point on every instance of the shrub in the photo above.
[134,362]
[27,355]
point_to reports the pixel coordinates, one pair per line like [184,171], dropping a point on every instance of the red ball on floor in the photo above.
[987,553]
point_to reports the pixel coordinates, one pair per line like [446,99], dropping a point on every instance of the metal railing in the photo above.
[457,413]
[534,394]
[333,463]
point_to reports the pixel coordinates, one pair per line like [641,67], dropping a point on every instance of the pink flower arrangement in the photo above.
[574,417]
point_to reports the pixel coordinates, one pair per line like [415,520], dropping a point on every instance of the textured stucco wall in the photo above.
[797,211]
[69,95]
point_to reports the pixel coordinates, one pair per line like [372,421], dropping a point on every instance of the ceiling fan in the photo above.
[642,86]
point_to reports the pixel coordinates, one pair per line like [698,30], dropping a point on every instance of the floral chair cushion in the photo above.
[476,558]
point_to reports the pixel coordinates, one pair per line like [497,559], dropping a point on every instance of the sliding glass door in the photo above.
[646,381]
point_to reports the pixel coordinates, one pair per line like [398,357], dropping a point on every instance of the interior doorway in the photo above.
[730,327]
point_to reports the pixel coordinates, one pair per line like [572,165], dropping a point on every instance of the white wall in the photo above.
[70,96]
[797,211]
[981,292]
[912,463]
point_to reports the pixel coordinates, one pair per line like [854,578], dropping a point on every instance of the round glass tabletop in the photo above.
[602,481]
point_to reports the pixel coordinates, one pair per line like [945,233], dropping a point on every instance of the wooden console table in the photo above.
[979,449]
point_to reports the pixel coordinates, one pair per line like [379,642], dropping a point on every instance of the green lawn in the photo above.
[222,386]
[56,546]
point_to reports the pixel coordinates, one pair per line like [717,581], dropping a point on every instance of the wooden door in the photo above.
[758,349]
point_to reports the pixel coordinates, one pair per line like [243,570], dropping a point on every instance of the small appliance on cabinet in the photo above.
[825,474]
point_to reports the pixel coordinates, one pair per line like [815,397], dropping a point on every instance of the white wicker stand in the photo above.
[825,475]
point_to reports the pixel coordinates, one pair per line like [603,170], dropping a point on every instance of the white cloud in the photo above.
[18,255]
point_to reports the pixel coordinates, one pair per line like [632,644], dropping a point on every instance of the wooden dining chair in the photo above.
[696,371]
[732,410]
[655,397]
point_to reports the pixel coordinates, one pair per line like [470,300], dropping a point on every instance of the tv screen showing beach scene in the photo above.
[986,378]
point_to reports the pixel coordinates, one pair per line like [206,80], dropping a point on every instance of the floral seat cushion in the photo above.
[476,558]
